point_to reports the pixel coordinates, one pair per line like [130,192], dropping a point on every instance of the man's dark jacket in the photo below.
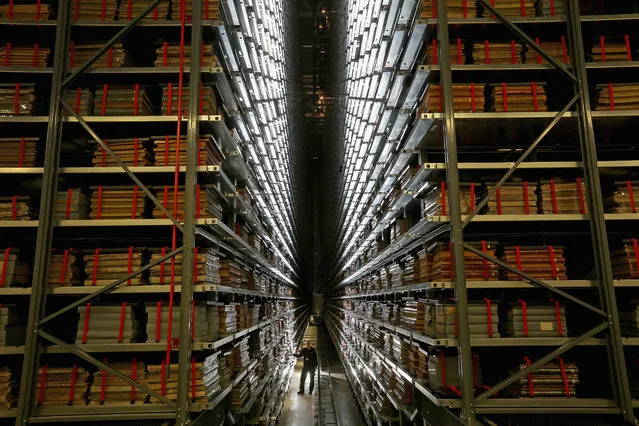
[310,357]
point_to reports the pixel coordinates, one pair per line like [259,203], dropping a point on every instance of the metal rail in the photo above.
[326,409]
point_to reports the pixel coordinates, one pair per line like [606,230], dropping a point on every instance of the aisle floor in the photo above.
[298,410]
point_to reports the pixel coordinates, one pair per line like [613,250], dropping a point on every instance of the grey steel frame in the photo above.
[609,311]
[60,81]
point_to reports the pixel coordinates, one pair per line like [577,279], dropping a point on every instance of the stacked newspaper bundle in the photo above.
[467,97]
[556,379]
[62,386]
[511,8]
[26,12]
[116,56]
[228,320]
[210,9]
[543,263]
[411,270]
[24,56]
[7,383]
[95,10]
[16,208]
[420,364]
[622,199]
[413,315]
[435,203]
[170,270]
[72,204]
[455,9]
[165,150]
[558,50]
[170,98]
[104,266]
[122,100]
[242,313]
[211,376]
[157,326]
[240,394]
[130,9]
[13,328]
[483,320]
[616,96]
[513,198]
[19,99]
[168,55]
[110,390]
[80,100]
[551,8]
[611,49]
[477,268]
[396,272]
[163,379]
[230,273]
[630,320]
[562,197]
[117,202]
[109,324]
[624,260]
[15,271]
[498,53]
[443,373]
[18,152]
[425,266]
[403,391]
[65,268]
[134,152]
[516,97]
[207,204]
[534,320]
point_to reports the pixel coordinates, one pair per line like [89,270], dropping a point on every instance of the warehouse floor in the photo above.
[299,409]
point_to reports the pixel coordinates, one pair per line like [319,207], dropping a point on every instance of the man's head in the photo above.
[309,343]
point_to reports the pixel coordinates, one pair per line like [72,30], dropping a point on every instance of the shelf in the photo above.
[136,170]
[122,412]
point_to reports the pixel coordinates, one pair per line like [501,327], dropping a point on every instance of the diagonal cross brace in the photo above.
[542,361]
[108,288]
[529,41]
[117,37]
[535,281]
[85,356]
[517,163]
[124,167]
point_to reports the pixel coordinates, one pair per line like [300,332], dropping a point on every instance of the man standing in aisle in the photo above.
[310,364]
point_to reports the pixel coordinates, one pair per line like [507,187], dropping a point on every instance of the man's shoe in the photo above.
[300,392]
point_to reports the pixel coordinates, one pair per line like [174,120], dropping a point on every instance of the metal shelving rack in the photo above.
[359,227]
[244,113]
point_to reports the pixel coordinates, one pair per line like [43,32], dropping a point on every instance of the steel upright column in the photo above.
[456,231]
[44,238]
[616,358]
[190,182]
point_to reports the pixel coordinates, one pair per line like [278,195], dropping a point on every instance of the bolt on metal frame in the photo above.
[609,311]
[36,319]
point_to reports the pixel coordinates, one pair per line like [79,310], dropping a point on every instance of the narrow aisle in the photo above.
[346,406]
[298,409]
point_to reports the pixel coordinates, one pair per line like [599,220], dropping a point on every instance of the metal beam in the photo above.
[542,361]
[190,183]
[85,356]
[117,37]
[618,370]
[456,234]
[124,167]
[108,288]
[517,163]
[529,41]
[535,281]
[46,218]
